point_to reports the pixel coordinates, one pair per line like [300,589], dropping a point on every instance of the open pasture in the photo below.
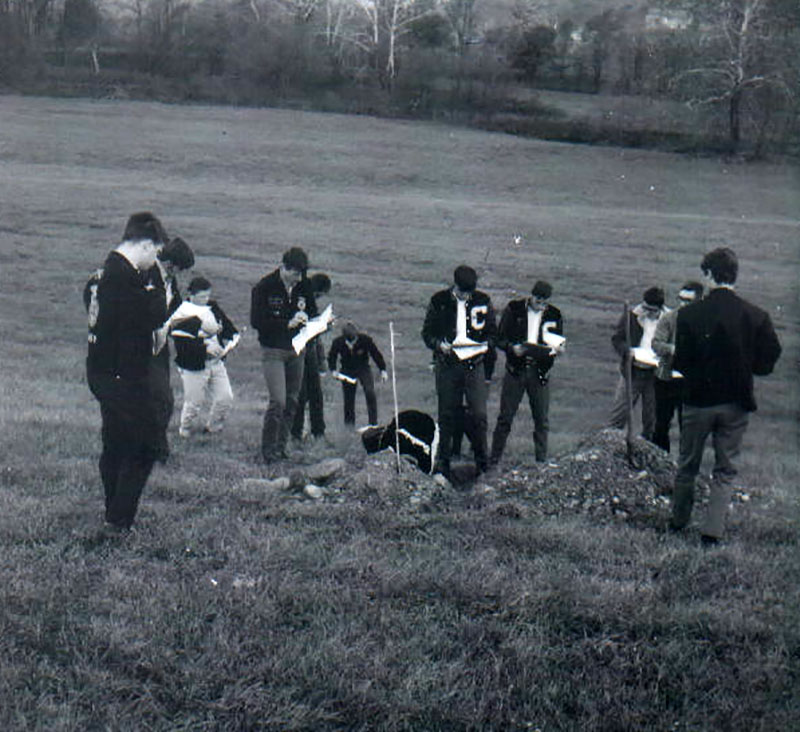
[332,621]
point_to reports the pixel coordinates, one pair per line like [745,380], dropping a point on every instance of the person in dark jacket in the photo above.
[353,350]
[314,366]
[280,305]
[525,328]
[643,319]
[460,329]
[172,257]
[204,336]
[123,316]
[175,256]
[417,438]
[721,342]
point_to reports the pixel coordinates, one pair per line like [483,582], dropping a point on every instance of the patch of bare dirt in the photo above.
[597,479]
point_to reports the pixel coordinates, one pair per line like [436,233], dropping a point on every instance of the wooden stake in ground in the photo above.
[628,376]
[394,396]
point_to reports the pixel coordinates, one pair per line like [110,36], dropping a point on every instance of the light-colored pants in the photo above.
[283,373]
[211,387]
[642,385]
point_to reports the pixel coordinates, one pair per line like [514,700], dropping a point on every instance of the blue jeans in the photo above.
[726,423]
[283,372]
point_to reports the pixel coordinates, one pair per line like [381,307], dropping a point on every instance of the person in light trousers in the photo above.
[203,337]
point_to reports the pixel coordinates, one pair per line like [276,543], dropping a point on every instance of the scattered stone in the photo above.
[314,491]
[325,470]
[267,484]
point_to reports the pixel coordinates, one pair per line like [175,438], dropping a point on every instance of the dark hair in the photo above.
[144,225]
[654,297]
[695,287]
[178,252]
[320,283]
[198,284]
[722,265]
[296,259]
[465,278]
[349,327]
[542,289]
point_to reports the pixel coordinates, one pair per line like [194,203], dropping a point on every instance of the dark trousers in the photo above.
[726,423]
[283,373]
[669,400]
[462,425]
[514,386]
[454,383]
[163,400]
[311,394]
[365,378]
[130,443]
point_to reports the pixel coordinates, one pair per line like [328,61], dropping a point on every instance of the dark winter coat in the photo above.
[356,358]
[721,342]
[190,348]
[124,310]
[440,322]
[272,307]
[513,329]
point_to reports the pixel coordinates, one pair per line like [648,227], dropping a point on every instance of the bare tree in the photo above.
[738,42]
[386,22]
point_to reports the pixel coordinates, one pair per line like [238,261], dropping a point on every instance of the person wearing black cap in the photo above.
[642,322]
[460,329]
[525,328]
[280,305]
[174,256]
[721,342]
[124,312]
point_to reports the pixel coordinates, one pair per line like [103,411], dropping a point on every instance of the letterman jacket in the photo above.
[190,345]
[123,313]
[440,324]
[513,329]
[272,307]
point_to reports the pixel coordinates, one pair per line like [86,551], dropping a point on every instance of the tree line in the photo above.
[738,58]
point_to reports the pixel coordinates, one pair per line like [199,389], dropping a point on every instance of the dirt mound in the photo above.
[596,479]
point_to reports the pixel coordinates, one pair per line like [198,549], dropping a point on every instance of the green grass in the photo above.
[232,609]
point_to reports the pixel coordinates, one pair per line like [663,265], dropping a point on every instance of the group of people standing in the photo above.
[697,360]
[134,306]
[705,354]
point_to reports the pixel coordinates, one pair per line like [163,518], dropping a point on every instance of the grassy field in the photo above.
[232,611]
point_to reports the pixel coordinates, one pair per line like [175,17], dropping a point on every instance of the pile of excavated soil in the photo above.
[598,479]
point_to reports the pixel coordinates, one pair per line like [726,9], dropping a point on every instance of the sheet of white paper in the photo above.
[312,328]
[466,348]
[346,379]
[645,356]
